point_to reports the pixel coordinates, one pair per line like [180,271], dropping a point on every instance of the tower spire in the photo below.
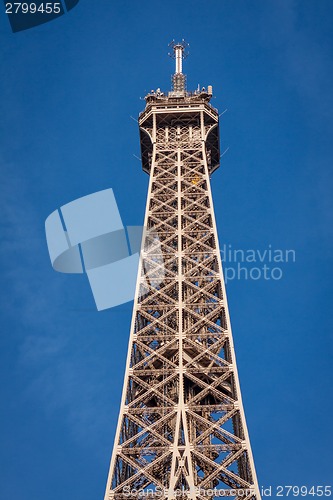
[179,79]
[178,51]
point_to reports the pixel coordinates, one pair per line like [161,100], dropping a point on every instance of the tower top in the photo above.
[179,91]
[178,79]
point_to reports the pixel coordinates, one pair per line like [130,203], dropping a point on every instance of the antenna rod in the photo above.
[179,57]
[179,79]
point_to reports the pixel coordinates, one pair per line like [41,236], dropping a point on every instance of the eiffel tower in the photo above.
[182,431]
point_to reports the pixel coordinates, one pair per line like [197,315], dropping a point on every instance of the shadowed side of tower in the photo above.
[181,429]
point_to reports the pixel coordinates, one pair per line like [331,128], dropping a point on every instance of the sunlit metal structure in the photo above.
[181,431]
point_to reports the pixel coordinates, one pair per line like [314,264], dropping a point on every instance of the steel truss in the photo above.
[181,429]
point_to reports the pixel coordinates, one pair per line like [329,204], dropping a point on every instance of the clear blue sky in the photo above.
[68,89]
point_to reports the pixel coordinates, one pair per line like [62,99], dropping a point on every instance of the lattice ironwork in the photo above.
[181,430]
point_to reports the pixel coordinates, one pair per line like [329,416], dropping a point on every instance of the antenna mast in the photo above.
[179,79]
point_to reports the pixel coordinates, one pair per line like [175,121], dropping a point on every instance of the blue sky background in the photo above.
[68,89]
